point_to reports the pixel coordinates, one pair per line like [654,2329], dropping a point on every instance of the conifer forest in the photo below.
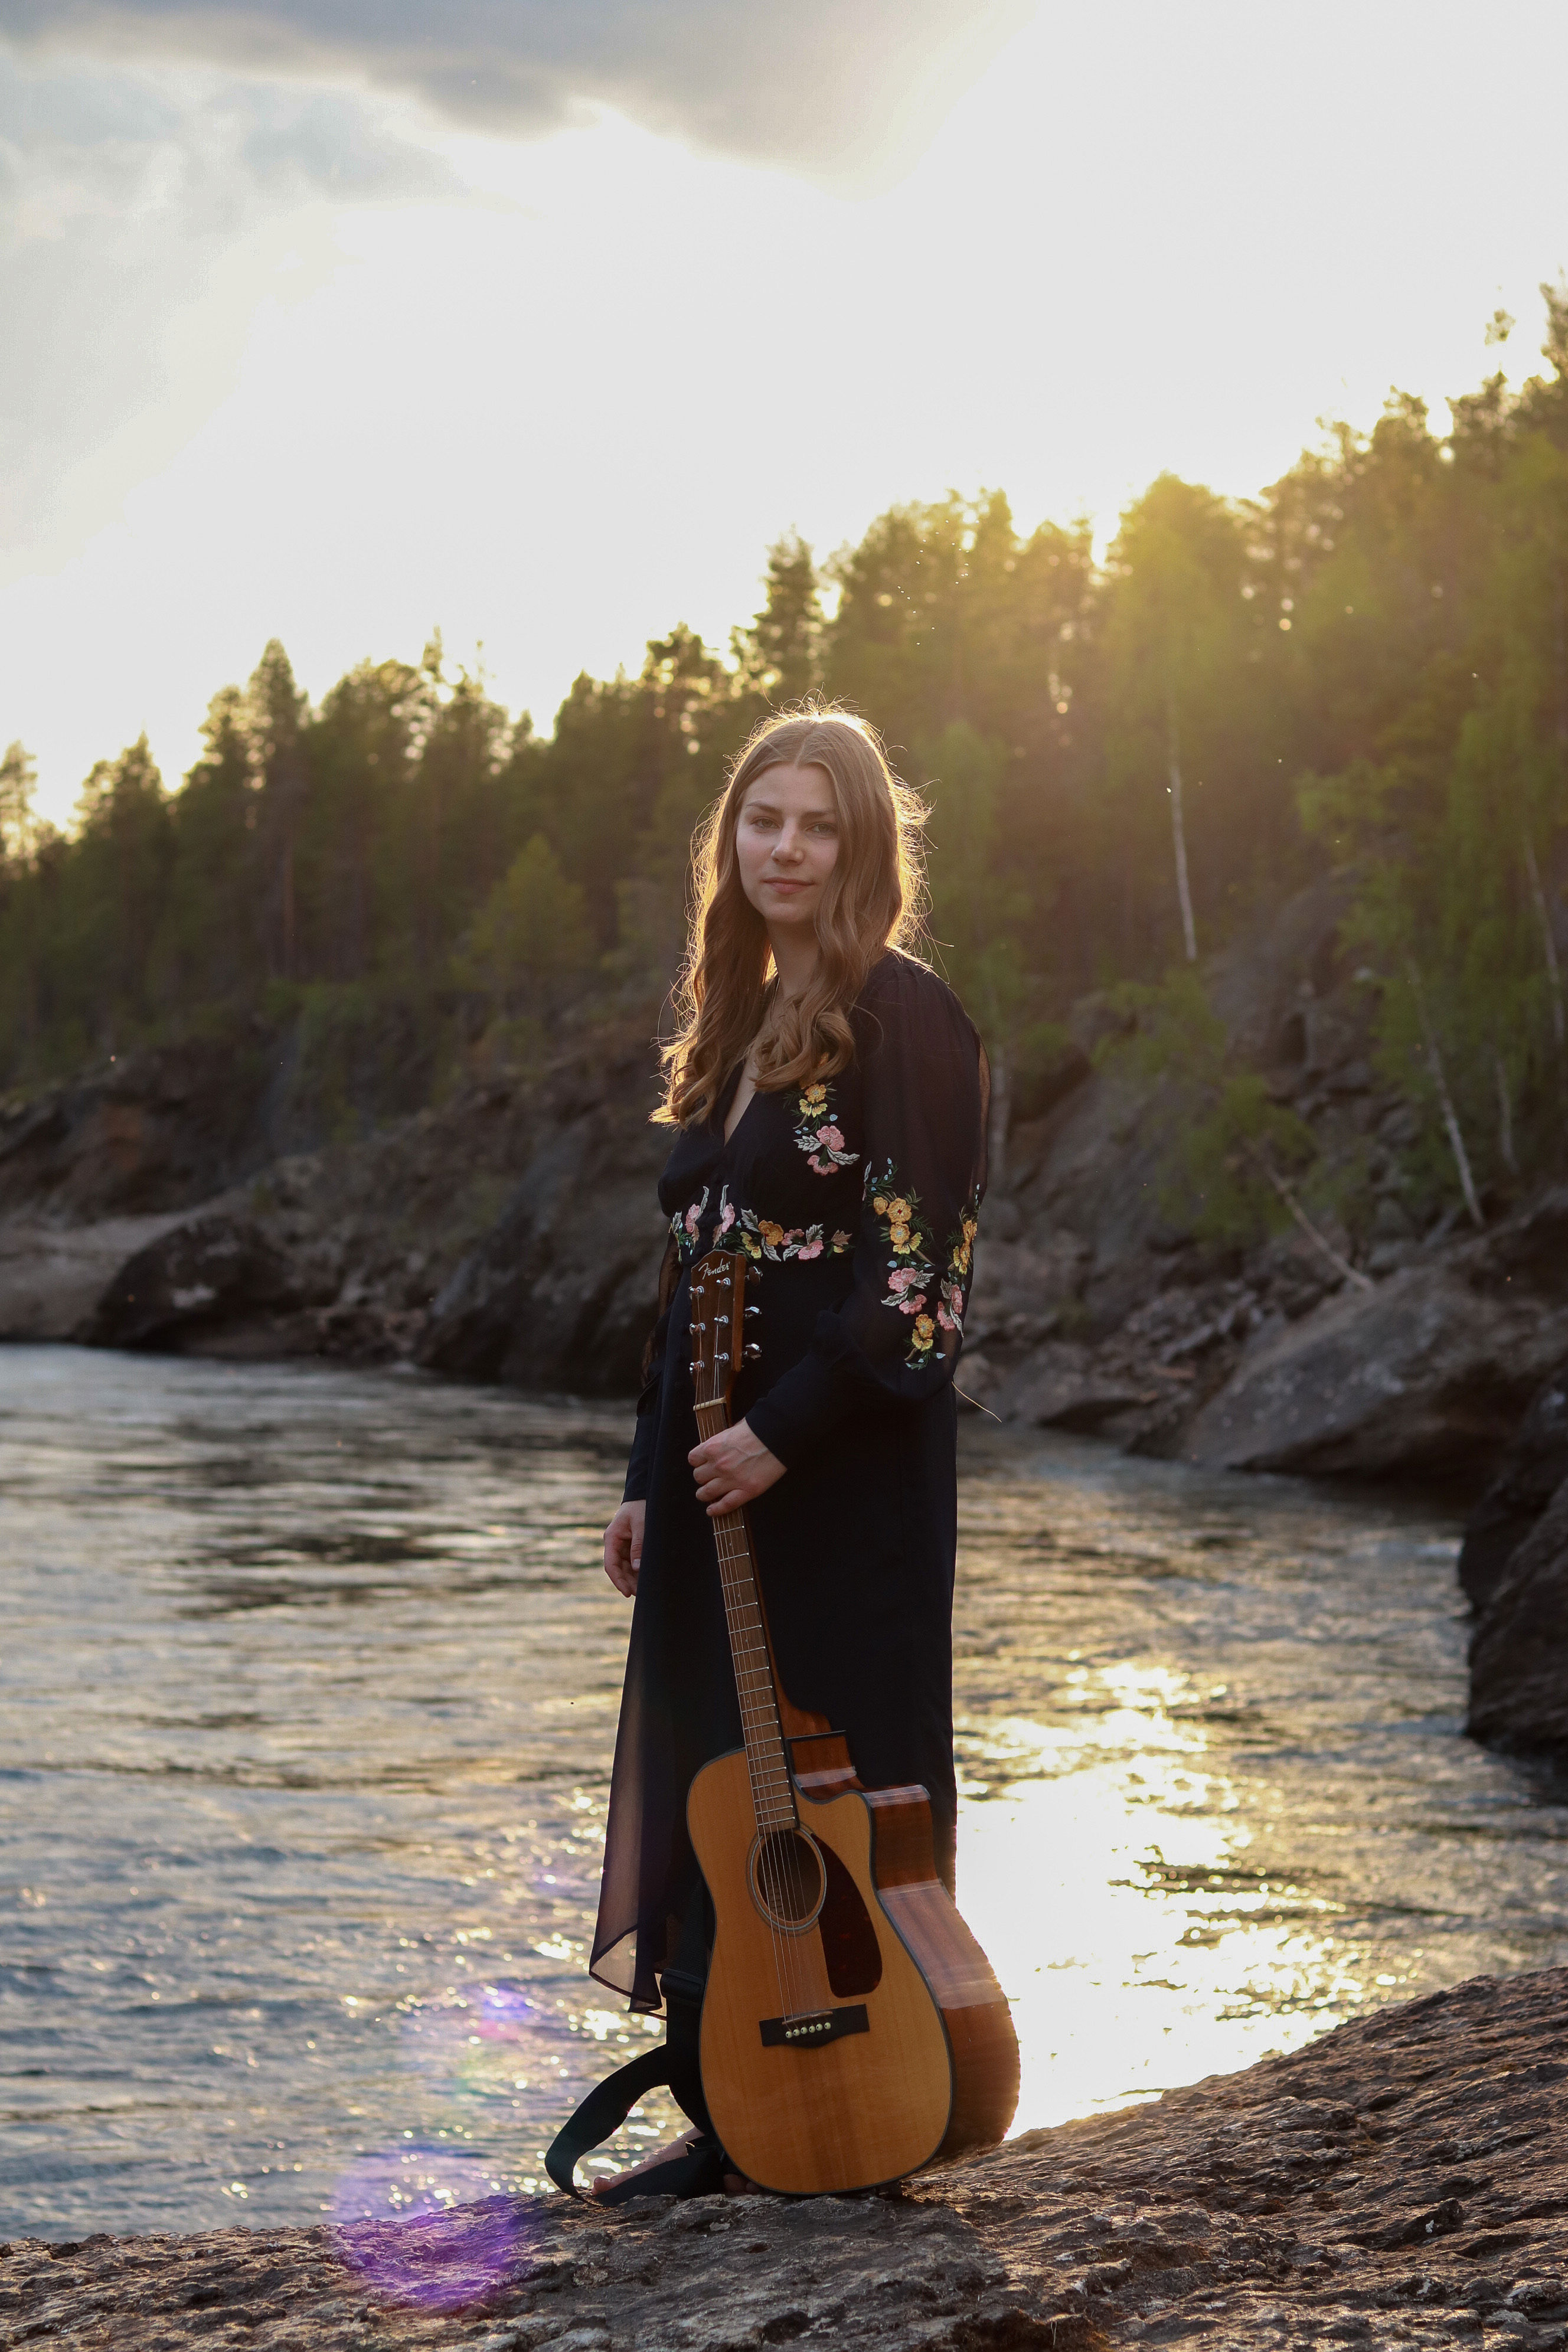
[1128,760]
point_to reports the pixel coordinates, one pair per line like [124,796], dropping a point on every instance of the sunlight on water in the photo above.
[308,1694]
[1119,1915]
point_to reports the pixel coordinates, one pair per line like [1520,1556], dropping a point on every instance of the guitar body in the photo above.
[852,2030]
[928,2064]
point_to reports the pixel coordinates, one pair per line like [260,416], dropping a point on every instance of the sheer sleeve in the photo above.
[640,1466]
[645,1439]
[896,1337]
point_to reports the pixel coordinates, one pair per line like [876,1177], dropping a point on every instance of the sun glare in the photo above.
[1109,1876]
[567,392]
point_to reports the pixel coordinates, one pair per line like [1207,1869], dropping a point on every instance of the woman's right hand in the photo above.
[622,1547]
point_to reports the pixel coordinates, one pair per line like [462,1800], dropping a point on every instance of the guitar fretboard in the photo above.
[773,1792]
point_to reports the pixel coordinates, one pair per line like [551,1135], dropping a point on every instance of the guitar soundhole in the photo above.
[787,1883]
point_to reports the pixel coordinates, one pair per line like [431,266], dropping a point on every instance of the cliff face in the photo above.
[1401,2181]
[192,1199]
[1514,1568]
[509,1232]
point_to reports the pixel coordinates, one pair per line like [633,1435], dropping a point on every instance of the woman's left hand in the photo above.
[733,1468]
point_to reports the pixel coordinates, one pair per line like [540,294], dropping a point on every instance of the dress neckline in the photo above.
[722,1107]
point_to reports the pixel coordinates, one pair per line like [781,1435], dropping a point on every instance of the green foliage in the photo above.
[1366,666]
[1236,1157]
[531,934]
[980,902]
[18,826]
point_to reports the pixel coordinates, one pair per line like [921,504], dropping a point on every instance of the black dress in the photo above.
[858,1198]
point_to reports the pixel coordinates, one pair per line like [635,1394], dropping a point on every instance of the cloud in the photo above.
[842,90]
[141,219]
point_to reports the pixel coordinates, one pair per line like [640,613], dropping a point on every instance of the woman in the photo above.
[829,1095]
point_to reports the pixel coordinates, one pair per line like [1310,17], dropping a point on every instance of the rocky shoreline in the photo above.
[188,1200]
[1401,2181]
[199,1199]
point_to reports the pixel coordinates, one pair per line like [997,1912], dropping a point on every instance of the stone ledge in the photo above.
[1403,2181]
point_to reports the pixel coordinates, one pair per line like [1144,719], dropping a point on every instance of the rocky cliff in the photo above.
[201,1198]
[1514,1568]
[508,1232]
[1401,2181]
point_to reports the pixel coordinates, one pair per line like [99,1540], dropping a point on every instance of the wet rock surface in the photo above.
[1513,1567]
[1518,1654]
[511,1232]
[1534,1466]
[1429,1372]
[1403,2181]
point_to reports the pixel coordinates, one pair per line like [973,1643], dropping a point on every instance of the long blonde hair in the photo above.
[727,995]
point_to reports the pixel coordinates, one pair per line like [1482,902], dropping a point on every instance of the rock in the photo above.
[524,1204]
[562,1292]
[214,1277]
[52,1275]
[1401,2181]
[1279,987]
[1064,1386]
[1424,1374]
[1519,1652]
[158,1130]
[1534,1466]
[1530,1251]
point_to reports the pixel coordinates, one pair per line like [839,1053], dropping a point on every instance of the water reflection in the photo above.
[1244,1809]
[308,1684]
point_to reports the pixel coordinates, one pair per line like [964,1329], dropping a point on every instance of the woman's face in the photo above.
[786,844]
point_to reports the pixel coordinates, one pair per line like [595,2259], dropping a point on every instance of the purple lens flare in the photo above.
[424,2225]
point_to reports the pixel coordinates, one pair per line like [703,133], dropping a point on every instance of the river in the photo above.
[307,1689]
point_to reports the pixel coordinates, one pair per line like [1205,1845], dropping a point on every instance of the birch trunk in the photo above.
[1548,944]
[1505,1116]
[1001,1112]
[1179,831]
[1446,1100]
[1319,1241]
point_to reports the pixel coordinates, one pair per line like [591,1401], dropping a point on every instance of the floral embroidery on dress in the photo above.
[818,1134]
[912,1276]
[685,1225]
[960,1258]
[763,1238]
[754,1236]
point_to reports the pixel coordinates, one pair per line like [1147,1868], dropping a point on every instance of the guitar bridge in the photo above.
[810,2032]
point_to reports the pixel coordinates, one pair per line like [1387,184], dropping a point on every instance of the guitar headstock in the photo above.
[719,1312]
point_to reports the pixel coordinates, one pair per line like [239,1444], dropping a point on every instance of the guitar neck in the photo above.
[773,1790]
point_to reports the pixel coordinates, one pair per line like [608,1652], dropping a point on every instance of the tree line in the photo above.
[1127,758]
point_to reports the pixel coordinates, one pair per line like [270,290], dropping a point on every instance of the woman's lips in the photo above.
[777,882]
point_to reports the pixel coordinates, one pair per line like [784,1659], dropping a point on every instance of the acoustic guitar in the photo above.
[852,2030]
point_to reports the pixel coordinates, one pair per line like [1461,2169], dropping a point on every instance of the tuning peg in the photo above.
[753,1275]
[751,1311]
[752,1353]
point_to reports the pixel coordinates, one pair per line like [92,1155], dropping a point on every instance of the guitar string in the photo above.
[770,1796]
[778,1817]
[766,1795]
[773,1804]
[764,1799]
[773,1797]
[762,1795]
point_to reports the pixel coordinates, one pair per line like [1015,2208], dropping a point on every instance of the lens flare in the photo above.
[422,2226]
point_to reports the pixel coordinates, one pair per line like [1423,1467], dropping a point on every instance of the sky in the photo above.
[537,320]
